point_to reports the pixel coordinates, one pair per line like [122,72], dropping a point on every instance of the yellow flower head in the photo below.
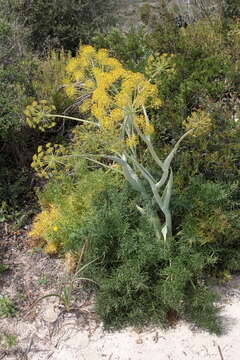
[51,249]
[123,99]
[102,55]
[200,122]
[106,122]
[89,84]
[111,62]
[101,97]
[114,91]
[156,103]
[140,121]
[101,78]
[78,75]
[132,141]
[84,62]
[43,222]
[117,115]
[87,50]
[97,111]
[148,129]
[70,91]
[72,65]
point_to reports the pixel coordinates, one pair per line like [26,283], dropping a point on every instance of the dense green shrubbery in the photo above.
[15,137]
[26,25]
[131,48]
[20,82]
[168,280]
[201,72]
[58,228]
[231,9]
[165,279]
[57,24]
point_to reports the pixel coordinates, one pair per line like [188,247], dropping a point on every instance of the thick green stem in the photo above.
[168,217]
[154,219]
[73,118]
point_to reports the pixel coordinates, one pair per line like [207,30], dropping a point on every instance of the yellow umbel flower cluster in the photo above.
[158,65]
[146,127]
[44,223]
[115,92]
[46,160]
[132,140]
[200,122]
[37,115]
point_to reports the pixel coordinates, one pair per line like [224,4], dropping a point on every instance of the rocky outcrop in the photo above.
[140,12]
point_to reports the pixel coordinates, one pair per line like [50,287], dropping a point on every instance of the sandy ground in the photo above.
[46,331]
[176,344]
[78,339]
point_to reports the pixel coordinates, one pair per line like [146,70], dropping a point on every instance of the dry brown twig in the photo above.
[220,352]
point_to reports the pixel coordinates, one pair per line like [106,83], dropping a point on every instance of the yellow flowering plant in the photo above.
[160,64]
[43,225]
[200,122]
[118,129]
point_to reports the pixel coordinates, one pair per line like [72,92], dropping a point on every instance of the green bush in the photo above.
[22,78]
[131,48]
[48,79]
[231,9]
[202,77]
[7,308]
[166,279]
[142,281]
[206,213]
[58,228]
[12,36]
[57,24]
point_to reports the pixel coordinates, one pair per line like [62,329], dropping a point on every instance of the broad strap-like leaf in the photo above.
[168,160]
[129,174]
[164,232]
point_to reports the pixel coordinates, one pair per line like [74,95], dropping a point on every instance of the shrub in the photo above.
[231,9]
[209,213]
[116,100]
[199,82]
[48,79]
[57,228]
[141,281]
[164,273]
[131,48]
[63,23]
[7,308]
[15,137]
[12,36]
[22,78]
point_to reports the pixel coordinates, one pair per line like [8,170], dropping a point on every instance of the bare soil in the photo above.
[45,330]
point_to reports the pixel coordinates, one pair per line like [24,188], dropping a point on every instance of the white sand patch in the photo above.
[179,343]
